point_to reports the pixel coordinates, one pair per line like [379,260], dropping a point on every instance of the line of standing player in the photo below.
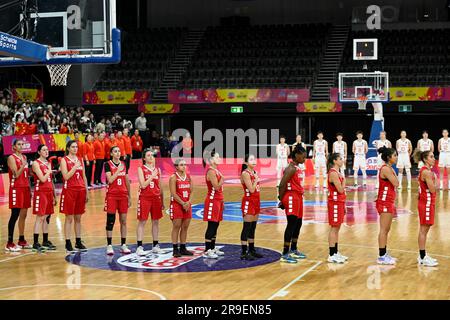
[360,148]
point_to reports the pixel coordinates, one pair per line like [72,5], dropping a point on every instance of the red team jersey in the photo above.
[386,195]
[19,188]
[73,195]
[149,200]
[43,192]
[76,181]
[214,199]
[427,200]
[251,202]
[116,199]
[336,201]
[152,190]
[47,185]
[293,197]
[183,190]
[119,186]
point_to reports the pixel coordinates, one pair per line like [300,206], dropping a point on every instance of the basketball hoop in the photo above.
[362,102]
[59,72]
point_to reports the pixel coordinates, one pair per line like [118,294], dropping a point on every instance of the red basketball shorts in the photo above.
[43,203]
[336,213]
[177,211]
[383,207]
[116,204]
[250,207]
[426,210]
[213,210]
[149,207]
[73,201]
[293,204]
[19,198]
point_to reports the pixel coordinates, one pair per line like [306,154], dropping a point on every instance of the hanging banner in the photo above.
[319,107]
[161,108]
[27,95]
[116,97]
[238,95]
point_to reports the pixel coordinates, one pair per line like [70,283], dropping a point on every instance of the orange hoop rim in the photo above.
[65,53]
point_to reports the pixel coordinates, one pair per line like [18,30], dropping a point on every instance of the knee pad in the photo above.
[110,220]
[48,219]
[245,234]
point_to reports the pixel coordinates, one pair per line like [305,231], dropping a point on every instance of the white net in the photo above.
[362,102]
[58,74]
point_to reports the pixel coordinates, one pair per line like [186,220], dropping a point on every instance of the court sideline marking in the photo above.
[161,297]
[283,291]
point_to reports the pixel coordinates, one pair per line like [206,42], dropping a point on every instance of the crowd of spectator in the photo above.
[27,118]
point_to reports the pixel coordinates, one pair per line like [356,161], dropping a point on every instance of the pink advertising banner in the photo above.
[54,142]
[238,95]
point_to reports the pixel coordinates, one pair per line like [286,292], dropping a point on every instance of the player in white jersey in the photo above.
[283,153]
[360,149]
[382,142]
[444,157]
[423,145]
[340,146]
[298,141]
[404,150]
[320,154]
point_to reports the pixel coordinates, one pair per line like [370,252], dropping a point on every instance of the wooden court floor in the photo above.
[31,275]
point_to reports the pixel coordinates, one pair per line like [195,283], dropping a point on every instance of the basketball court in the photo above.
[86,33]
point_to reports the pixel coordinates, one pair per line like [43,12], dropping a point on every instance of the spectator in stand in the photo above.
[126,124]
[91,124]
[127,144]
[64,127]
[136,145]
[141,124]
[32,127]
[188,144]
[108,126]
[89,158]
[7,126]
[80,143]
[42,125]
[99,153]
[4,106]
[53,128]
[100,126]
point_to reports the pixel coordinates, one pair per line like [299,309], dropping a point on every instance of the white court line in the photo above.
[16,257]
[161,297]
[283,291]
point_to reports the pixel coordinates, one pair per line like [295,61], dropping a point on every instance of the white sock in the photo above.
[364,176]
[317,179]
[400,178]
[408,176]
[325,181]
[355,177]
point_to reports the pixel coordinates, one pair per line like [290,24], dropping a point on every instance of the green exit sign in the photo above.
[404,108]
[237,109]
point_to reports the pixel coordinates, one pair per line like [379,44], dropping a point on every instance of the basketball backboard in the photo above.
[370,86]
[75,31]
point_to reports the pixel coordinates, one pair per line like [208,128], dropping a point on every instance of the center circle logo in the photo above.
[96,258]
